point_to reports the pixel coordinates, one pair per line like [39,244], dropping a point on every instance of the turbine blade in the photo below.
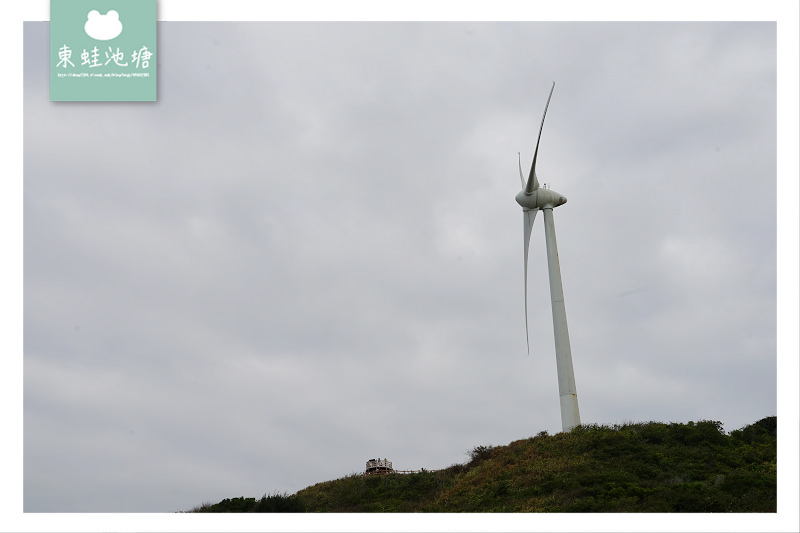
[533,183]
[521,177]
[529,215]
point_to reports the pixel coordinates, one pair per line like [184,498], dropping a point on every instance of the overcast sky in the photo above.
[307,253]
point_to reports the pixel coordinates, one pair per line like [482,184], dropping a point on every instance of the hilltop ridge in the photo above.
[632,467]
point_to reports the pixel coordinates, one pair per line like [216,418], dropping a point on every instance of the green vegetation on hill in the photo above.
[635,467]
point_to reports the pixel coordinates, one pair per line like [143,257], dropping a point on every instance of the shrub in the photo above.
[228,505]
[764,430]
[479,454]
[278,503]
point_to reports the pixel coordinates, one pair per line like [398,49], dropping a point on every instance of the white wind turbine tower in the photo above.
[533,198]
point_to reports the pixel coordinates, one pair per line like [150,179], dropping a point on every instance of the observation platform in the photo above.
[379,466]
[384,466]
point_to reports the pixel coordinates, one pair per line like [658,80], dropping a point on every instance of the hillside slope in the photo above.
[636,467]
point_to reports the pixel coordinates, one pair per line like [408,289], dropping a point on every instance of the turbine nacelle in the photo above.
[540,199]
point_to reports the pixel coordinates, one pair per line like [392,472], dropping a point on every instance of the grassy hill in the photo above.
[636,467]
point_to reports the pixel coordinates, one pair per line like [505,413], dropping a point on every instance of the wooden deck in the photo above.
[376,467]
[381,467]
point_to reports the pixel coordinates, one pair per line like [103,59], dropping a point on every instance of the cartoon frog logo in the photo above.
[103,27]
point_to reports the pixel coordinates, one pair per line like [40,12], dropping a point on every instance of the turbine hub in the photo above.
[527,201]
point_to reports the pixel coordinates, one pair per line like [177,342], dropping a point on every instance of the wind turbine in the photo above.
[533,199]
